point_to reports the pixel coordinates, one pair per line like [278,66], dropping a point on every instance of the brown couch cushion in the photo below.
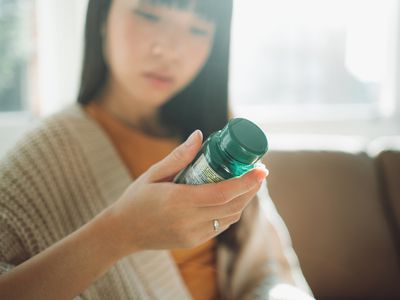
[389,167]
[331,204]
[387,157]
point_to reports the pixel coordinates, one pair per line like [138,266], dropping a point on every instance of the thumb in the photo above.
[178,159]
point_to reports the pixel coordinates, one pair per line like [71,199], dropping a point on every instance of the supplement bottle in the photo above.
[227,153]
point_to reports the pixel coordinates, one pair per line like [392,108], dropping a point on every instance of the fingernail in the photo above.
[263,167]
[192,138]
[261,178]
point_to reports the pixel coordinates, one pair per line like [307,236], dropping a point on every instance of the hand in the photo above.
[154,213]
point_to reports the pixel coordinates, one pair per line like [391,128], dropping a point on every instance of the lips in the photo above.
[159,79]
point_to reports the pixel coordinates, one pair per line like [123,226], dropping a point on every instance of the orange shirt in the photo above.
[139,151]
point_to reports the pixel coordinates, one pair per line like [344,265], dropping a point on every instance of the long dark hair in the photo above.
[203,104]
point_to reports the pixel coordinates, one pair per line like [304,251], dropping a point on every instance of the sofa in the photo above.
[342,210]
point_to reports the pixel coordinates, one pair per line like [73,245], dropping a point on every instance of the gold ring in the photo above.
[216,224]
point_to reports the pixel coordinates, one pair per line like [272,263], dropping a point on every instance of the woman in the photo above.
[88,206]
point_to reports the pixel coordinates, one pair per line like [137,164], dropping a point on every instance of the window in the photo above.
[17,20]
[310,59]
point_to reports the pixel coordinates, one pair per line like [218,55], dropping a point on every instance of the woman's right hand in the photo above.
[155,213]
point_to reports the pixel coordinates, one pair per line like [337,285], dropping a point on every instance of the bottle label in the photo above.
[201,172]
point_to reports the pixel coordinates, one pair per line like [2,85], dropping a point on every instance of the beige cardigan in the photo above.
[65,171]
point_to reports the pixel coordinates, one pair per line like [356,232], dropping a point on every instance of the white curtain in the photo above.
[60,27]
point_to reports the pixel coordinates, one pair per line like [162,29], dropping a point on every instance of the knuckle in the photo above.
[234,208]
[152,168]
[178,154]
[231,210]
[237,217]
[185,195]
[175,192]
[250,183]
[220,195]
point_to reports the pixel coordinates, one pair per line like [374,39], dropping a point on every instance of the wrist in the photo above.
[111,228]
[104,231]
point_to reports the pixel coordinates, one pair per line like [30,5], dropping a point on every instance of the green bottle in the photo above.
[227,153]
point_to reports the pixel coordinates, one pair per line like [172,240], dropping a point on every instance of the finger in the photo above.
[178,159]
[221,230]
[208,231]
[224,223]
[211,233]
[220,193]
[228,221]
[236,206]
[201,232]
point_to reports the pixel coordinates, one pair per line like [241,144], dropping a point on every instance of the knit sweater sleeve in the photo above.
[266,266]
[35,191]
[15,228]
[49,189]
[10,249]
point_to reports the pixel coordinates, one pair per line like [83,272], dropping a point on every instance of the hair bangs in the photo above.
[207,9]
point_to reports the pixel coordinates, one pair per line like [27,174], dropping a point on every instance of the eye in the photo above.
[198,31]
[148,16]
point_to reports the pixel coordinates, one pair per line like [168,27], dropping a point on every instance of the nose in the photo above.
[169,45]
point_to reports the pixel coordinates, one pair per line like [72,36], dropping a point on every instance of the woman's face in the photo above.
[154,51]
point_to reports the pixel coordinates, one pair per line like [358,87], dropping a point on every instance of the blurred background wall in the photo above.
[40,55]
[307,71]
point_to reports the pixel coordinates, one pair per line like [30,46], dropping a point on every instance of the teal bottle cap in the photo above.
[243,140]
